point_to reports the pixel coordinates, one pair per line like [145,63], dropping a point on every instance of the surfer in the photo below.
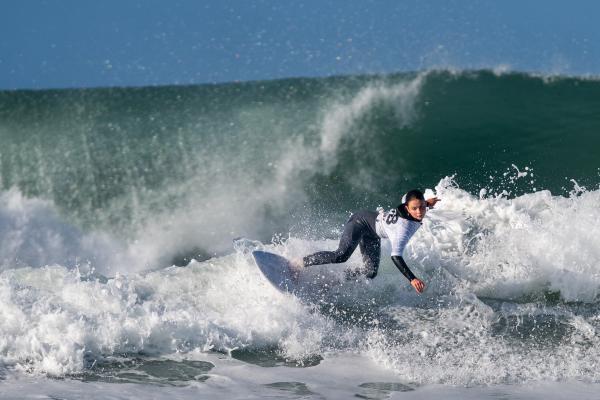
[367,228]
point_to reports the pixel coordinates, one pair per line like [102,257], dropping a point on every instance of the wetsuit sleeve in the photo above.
[401,265]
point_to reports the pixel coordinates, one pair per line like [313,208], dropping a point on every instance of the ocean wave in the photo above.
[141,160]
[511,296]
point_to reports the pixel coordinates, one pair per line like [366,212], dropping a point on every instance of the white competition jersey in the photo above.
[399,230]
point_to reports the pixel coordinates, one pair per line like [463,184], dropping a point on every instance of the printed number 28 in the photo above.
[391,219]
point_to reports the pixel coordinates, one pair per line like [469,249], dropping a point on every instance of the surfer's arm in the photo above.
[414,281]
[401,265]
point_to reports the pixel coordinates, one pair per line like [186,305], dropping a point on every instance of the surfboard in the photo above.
[276,269]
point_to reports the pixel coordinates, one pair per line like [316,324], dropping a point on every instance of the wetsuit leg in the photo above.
[368,218]
[370,248]
[370,243]
[353,231]
[360,229]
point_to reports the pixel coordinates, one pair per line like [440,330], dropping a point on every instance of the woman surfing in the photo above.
[367,228]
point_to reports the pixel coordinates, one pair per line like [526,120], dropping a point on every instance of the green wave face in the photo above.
[294,150]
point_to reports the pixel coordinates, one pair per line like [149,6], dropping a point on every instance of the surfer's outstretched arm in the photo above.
[414,281]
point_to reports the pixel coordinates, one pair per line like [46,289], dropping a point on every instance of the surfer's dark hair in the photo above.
[411,195]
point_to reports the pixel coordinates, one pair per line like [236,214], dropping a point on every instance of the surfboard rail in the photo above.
[277,270]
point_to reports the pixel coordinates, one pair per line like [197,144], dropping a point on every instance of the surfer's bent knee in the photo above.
[342,256]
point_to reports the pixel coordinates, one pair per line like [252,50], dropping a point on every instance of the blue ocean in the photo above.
[128,217]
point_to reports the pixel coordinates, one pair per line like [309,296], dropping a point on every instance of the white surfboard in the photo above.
[277,270]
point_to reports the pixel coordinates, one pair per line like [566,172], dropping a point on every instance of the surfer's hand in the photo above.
[418,285]
[432,201]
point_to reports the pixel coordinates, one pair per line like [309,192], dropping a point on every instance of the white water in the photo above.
[32,233]
[512,298]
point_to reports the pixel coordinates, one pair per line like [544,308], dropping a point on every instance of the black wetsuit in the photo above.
[360,229]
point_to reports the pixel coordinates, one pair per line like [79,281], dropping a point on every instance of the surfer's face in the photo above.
[416,208]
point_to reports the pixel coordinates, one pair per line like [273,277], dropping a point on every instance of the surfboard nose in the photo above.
[276,269]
